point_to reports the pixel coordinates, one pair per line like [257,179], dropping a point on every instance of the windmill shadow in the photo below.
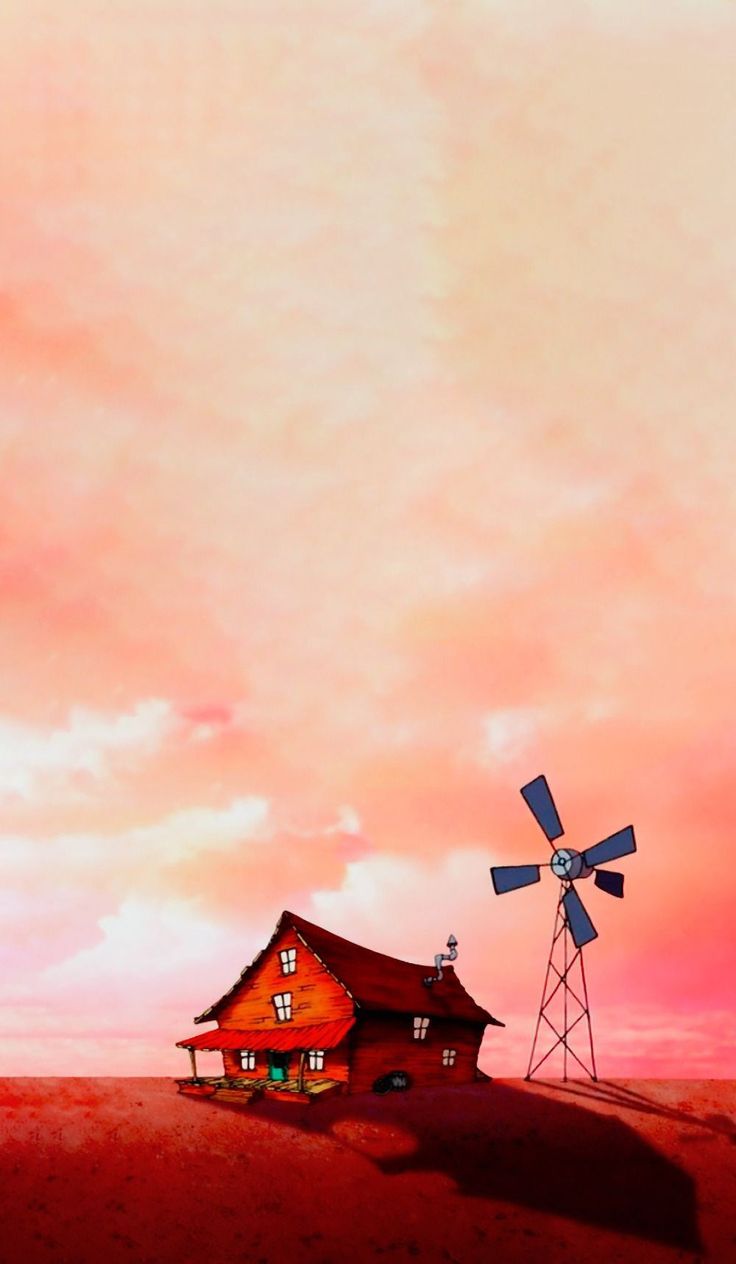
[500,1143]
[619,1095]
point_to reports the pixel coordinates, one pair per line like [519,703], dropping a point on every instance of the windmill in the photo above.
[573,927]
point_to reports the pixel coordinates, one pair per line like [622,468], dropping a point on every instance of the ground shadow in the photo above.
[620,1095]
[504,1143]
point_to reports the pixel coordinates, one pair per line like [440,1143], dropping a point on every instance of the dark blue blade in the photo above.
[610,882]
[538,797]
[619,844]
[581,927]
[511,877]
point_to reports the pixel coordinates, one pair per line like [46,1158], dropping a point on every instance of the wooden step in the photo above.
[289,1092]
[292,1095]
[196,1090]
[326,1088]
[241,1095]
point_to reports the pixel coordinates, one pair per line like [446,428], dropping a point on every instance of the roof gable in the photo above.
[374,980]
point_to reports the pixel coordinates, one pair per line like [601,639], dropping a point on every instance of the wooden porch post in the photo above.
[193,1060]
[302,1056]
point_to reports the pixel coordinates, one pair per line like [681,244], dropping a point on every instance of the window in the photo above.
[248,1059]
[316,1059]
[448,1057]
[282,1005]
[420,1028]
[288,960]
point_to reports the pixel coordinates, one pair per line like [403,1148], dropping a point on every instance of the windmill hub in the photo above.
[568,864]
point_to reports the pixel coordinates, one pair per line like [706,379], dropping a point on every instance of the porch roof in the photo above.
[284,1037]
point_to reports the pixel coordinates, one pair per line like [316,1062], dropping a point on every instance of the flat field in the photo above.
[107,1170]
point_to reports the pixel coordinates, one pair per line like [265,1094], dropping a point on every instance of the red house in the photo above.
[315,1013]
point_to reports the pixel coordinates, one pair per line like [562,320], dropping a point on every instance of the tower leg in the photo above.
[593,1074]
[565,980]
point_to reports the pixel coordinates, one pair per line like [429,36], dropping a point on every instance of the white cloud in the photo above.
[129,997]
[87,744]
[192,831]
[144,850]
[146,940]
[94,744]
[406,907]
[348,821]
[508,733]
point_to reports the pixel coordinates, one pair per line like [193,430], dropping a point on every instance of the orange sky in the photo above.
[368,448]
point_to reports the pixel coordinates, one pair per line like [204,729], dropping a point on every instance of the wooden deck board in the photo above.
[245,1091]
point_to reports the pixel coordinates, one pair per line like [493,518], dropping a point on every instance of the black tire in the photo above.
[393,1082]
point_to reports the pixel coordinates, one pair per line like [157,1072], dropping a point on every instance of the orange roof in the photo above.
[375,981]
[285,1036]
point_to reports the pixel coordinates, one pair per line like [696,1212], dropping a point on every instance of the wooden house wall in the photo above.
[385,1042]
[317,997]
[336,1065]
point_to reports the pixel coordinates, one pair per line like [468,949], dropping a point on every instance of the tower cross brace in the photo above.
[565,962]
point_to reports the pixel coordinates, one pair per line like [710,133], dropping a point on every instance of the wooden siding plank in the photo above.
[316,995]
[383,1043]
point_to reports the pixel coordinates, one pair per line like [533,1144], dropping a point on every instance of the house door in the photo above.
[278,1065]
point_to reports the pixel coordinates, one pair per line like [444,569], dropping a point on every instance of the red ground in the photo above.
[93,1171]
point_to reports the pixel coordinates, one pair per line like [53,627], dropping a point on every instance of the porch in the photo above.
[245,1091]
[284,1044]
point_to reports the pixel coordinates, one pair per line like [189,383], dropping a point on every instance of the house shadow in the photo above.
[502,1143]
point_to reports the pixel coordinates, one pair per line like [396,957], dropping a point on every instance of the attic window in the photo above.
[316,1059]
[288,960]
[282,1005]
[248,1059]
[420,1028]
[448,1057]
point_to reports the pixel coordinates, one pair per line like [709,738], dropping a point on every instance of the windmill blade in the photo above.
[610,882]
[511,877]
[620,844]
[538,797]
[581,927]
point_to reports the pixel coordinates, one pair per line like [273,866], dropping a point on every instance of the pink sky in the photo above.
[368,448]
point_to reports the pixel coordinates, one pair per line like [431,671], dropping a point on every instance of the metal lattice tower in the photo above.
[561,986]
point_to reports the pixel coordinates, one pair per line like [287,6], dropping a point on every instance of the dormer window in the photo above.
[288,960]
[420,1028]
[282,1004]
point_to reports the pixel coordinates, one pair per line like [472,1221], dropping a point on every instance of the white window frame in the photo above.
[247,1059]
[282,1005]
[316,1059]
[448,1057]
[287,957]
[421,1026]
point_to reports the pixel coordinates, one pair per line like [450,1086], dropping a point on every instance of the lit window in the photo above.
[248,1059]
[420,1028]
[282,1005]
[288,960]
[316,1059]
[448,1057]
